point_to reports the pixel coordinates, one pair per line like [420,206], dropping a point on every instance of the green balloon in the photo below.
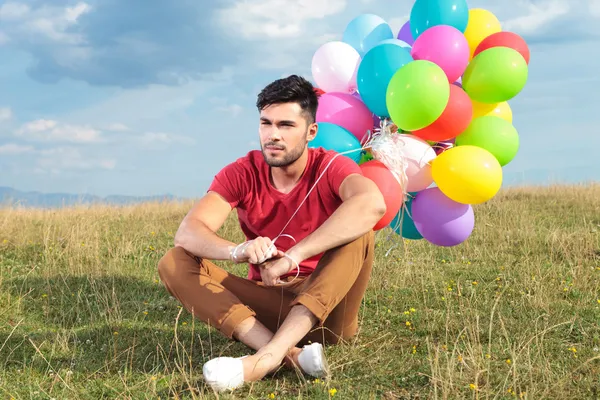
[495,75]
[417,95]
[494,134]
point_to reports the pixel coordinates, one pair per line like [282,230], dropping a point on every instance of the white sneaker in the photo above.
[312,360]
[224,373]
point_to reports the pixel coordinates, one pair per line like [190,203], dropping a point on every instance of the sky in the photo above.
[149,97]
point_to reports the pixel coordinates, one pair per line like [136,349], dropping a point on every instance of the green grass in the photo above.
[512,313]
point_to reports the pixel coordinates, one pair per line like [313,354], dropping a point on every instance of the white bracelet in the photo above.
[233,252]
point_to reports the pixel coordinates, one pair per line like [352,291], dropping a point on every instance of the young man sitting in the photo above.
[310,250]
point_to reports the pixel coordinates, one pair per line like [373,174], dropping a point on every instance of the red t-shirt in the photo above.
[264,211]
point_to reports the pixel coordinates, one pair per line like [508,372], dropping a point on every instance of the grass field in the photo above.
[512,313]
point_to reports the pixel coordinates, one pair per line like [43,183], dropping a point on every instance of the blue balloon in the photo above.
[407,229]
[366,31]
[375,72]
[397,42]
[334,137]
[428,13]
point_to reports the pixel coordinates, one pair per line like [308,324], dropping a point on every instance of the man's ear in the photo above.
[312,131]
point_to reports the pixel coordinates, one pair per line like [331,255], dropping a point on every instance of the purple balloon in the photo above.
[458,82]
[405,34]
[441,220]
[376,121]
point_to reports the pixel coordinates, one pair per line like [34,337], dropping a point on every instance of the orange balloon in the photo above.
[389,187]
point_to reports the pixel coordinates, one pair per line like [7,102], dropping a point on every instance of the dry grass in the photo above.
[512,313]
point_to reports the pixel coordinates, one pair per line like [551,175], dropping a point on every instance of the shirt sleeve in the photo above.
[341,167]
[232,182]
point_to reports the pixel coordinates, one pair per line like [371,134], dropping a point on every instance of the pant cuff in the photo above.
[313,305]
[234,318]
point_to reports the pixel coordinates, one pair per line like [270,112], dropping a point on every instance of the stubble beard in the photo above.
[289,158]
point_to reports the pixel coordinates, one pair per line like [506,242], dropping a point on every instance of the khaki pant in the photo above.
[333,292]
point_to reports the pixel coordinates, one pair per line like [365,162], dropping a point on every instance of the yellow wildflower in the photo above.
[508,361]
[412,310]
[271,396]
[473,386]
[408,323]
[332,391]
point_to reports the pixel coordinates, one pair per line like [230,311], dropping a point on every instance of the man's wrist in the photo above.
[236,253]
[296,255]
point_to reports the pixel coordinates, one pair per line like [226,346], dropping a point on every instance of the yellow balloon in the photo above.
[501,110]
[482,23]
[467,174]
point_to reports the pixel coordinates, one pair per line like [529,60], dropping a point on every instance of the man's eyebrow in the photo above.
[285,121]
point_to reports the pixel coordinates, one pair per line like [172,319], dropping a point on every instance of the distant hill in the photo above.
[10,196]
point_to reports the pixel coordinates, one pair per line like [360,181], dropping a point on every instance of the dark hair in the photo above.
[293,89]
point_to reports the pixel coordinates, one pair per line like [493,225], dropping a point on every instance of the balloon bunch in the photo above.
[424,112]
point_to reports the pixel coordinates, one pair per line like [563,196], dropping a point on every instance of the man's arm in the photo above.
[362,207]
[197,232]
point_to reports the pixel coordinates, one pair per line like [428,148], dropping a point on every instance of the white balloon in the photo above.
[334,67]
[418,154]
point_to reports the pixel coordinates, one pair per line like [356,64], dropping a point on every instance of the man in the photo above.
[330,238]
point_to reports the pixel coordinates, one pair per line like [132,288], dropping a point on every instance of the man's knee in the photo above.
[169,266]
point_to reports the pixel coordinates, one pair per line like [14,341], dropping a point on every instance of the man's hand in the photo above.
[257,250]
[271,271]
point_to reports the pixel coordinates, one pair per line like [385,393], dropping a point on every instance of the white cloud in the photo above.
[13,11]
[538,15]
[60,159]
[276,18]
[50,130]
[143,106]
[149,138]
[5,114]
[232,110]
[594,7]
[4,38]
[13,149]
[117,127]
[45,23]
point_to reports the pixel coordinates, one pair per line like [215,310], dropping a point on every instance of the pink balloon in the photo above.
[445,46]
[347,111]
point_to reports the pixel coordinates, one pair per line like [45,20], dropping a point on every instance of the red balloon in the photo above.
[504,39]
[454,120]
[389,187]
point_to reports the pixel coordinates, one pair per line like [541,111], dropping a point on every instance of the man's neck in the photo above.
[284,179]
